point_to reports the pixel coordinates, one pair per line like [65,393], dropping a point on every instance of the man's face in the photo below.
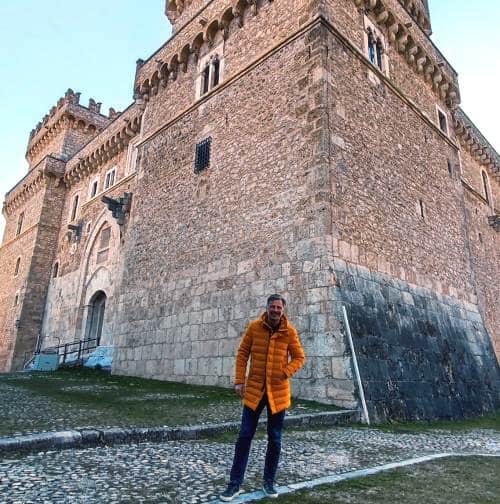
[274,311]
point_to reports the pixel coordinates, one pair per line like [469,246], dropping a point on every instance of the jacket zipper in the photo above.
[267,355]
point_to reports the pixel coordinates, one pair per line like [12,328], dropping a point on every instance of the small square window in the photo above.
[202,155]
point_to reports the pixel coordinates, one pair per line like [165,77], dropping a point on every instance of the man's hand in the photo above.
[240,390]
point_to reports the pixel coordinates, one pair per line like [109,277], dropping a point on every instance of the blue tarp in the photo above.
[100,358]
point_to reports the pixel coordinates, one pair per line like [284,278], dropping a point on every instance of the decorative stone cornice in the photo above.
[418,13]
[103,148]
[166,70]
[33,182]
[475,143]
[401,37]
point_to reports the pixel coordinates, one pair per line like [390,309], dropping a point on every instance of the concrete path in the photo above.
[196,471]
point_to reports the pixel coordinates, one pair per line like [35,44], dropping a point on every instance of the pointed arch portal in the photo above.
[96,316]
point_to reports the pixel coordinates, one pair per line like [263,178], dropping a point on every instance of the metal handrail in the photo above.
[66,349]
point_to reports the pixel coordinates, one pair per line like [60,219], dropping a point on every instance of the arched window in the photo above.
[215,71]
[380,52]
[18,265]
[485,186]
[206,79]
[371,47]
[55,270]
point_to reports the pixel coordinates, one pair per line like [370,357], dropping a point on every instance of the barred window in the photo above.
[202,155]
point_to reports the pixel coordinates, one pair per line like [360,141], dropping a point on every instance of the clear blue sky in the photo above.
[48,46]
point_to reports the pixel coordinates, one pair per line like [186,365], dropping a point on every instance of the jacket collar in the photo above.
[283,323]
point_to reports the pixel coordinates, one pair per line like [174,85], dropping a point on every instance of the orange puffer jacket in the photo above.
[270,367]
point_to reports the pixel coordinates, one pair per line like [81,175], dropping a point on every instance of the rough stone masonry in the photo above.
[315,149]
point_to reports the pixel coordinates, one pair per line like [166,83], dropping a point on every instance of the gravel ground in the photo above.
[195,471]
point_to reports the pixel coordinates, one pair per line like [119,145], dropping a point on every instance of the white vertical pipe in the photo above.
[356,369]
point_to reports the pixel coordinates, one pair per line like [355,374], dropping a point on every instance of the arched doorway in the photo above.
[96,316]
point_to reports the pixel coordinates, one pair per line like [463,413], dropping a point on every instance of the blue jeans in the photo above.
[249,420]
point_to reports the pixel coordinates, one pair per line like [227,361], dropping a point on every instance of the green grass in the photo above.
[464,480]
[488,421]
[75,398]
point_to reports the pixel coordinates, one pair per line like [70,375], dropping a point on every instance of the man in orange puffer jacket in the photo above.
[273,347]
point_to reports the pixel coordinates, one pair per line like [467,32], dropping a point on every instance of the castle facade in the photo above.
[316,149]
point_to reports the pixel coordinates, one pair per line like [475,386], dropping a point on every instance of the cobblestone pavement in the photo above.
[195,471]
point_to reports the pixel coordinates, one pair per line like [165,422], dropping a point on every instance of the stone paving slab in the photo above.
[196,471]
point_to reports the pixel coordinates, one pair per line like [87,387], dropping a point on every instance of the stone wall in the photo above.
[23,301]
[421,355]
[206,249]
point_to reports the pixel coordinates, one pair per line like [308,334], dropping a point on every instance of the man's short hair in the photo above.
[275,297]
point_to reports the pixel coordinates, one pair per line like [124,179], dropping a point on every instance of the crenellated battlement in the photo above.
[66,128]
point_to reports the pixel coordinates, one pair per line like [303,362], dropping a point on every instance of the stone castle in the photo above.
[315,149]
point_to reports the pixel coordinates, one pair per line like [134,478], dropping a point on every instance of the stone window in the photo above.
[93,188]
[215,71]
[206,80]
[375,46]
[110,178]
[442,120]
[103,247]
[55,270]
[486,186]
[450,168]
[20,221]
[210,72]
[18,266]
[74,207]
[202,155]
[132,154]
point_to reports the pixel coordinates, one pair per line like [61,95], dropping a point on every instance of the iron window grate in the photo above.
[202,157]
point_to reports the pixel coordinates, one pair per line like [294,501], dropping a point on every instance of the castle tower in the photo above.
[65,129]
[315,149]
[32,210]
